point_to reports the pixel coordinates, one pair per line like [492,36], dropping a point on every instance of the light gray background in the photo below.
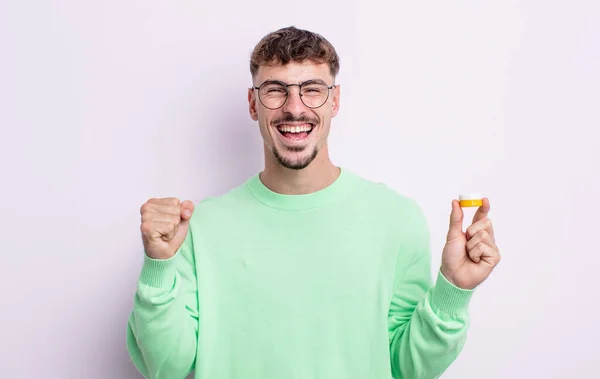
[105,104]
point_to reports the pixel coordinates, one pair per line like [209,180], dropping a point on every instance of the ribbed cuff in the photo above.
[449,298]
[158,273]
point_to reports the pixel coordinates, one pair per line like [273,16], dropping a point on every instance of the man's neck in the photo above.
[318,175]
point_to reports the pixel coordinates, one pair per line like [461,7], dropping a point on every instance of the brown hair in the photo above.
[293,44]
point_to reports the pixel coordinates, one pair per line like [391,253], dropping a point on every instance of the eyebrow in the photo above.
[309,81]
[315,81]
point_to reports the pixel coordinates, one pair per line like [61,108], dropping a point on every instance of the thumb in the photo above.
[456,221]
[187,209]
[179,237]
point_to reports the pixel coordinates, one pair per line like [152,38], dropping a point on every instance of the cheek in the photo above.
[325,127]
[264,121]
[324,119]
[263,126]
[265,117]
[325,132]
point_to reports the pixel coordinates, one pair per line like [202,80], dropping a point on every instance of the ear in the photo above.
[252,104]
[336,101]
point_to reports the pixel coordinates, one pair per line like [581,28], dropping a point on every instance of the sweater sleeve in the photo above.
[427,324]
[163,326]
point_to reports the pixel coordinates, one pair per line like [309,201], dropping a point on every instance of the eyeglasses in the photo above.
[273,93]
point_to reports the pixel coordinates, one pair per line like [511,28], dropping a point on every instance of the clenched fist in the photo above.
[165,224]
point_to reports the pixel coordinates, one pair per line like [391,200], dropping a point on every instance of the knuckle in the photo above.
[145,227]
[164,200]
[469,231]
[488,222]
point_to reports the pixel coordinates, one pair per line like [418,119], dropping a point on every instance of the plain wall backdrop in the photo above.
[106,104]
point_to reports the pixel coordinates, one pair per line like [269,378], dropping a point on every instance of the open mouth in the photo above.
[295,132]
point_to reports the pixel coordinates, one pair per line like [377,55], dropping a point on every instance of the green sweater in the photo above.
[332,284]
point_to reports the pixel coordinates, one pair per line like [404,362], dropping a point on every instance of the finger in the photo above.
[456,221]
[160,208]
[187,209]
[165,201]
[482,211]
[483,252]
[165,230]
[156,208]
[158,229]
[181,233]
[478,252]
[164,217]
[481,236]
[483,224]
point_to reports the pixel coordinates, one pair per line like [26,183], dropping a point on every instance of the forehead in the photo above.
[294,72]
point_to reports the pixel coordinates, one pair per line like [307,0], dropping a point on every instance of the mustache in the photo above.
[290,119]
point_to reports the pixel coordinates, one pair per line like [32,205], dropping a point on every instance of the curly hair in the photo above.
[293,44]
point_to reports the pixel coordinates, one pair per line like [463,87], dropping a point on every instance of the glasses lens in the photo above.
[272,95]
[314,95]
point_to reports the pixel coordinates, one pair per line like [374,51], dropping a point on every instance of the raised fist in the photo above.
[165,224]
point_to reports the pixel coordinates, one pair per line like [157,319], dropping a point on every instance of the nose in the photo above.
[294,104]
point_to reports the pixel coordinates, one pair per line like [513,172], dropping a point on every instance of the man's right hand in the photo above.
[165,224]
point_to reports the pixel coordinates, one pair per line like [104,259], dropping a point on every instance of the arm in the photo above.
[427,325]
[163,327]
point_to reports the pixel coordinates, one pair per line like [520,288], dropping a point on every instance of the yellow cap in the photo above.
[470,200]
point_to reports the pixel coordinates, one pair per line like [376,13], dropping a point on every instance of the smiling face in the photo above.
[294,134]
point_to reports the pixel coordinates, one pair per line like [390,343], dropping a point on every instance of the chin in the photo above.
[292,161]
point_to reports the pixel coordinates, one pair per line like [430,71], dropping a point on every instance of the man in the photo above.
[306,270]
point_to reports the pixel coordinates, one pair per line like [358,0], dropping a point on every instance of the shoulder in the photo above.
[393,210]
[387,199]
[400,212]
[222,205]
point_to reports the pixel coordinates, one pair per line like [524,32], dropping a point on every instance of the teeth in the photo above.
[294,129]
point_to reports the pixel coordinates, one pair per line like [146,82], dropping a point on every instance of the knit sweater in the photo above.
[335,284]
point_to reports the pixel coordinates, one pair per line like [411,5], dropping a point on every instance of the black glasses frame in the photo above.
[287,91]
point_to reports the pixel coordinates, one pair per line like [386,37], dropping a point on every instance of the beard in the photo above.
[303,162]
[297,164]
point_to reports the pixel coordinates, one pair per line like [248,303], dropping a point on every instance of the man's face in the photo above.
[294,133]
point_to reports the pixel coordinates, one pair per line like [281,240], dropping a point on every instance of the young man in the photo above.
[306,270]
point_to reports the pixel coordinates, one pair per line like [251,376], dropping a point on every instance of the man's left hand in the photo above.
[469,257]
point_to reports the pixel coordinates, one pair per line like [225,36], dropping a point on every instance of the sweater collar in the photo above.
[312,200]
